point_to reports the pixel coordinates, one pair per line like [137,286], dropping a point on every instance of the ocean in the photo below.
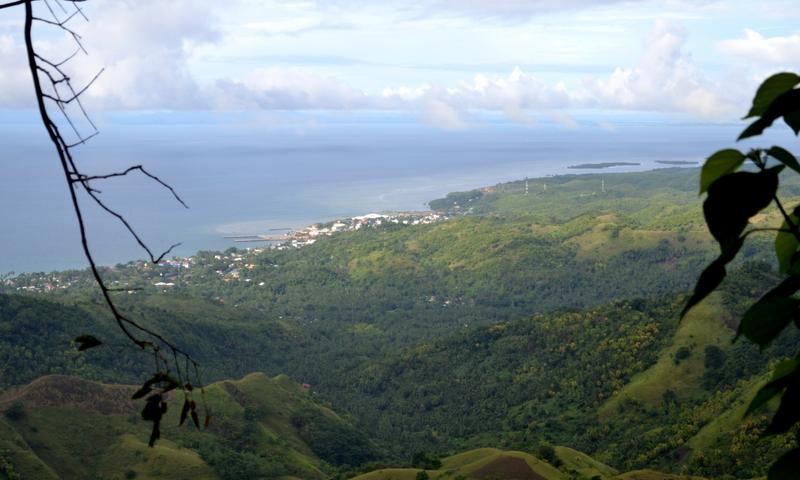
[258,175]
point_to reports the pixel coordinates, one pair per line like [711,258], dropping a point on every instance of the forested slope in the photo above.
[522,321]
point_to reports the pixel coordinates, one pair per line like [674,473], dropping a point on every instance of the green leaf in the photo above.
[86,342]
[785,157]
[719,164]
[784,368]
[736,197]
[786,245]
[786,105]
[712,276]
[786,467]
[771,89]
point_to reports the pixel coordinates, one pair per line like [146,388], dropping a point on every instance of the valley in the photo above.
[542,316]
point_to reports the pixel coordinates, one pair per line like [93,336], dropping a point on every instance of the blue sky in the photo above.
[447,63]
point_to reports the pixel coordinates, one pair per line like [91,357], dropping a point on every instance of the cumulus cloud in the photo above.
[755,48]
[144,47]
[287,89]
[665,78]
[515,95]
[148,57]
[441,114]
[16,90]
[517,7]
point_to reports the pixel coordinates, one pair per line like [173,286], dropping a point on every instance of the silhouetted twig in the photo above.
[56,78]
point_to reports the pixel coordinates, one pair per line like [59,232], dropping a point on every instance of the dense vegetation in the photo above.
[525,321]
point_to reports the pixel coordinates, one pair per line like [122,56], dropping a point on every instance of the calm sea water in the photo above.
[252,177]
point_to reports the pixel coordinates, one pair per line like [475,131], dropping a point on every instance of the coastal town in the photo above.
[310,234]
[232,265]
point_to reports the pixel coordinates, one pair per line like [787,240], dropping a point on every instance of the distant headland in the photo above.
[588,166]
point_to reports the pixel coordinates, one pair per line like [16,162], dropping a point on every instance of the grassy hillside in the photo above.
[66,427]
[484,463]
[524,320]
[491,463]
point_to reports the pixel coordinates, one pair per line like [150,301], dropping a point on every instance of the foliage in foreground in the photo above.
[734,196]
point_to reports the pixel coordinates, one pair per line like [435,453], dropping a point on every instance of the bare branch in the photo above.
[21,2]
[75,95]
[140,335]
[12,4]
[83,140]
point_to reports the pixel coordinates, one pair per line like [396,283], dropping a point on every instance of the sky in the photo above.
[447,64]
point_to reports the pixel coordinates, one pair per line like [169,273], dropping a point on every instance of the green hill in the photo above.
[491,463]
[484,463]
[523,320]
[66,427]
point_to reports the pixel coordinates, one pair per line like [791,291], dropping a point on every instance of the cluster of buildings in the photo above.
[231,265]
[309,235]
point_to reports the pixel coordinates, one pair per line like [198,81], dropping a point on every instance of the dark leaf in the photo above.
[170,385]
[142,392]
[771,89]
[207,421]
[712,276]
[793,120]
[165,383]
[788,414]
[767,393]
[779,381]
[86,342]
[195,419]
[767,318]
[184,411]
[734,198]
[786,105]
[155,434]
[719,164]
[785,157]
[786,467]
[152,408]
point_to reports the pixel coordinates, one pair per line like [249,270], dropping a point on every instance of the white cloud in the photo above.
[149,57]
[144,47]
[441,114]
[16,90]
[665,79]
[772,51]
[517,7]
[287,89]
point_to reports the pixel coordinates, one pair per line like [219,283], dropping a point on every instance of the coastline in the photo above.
[211,237]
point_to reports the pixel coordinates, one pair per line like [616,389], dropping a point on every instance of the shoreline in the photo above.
[215,236]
